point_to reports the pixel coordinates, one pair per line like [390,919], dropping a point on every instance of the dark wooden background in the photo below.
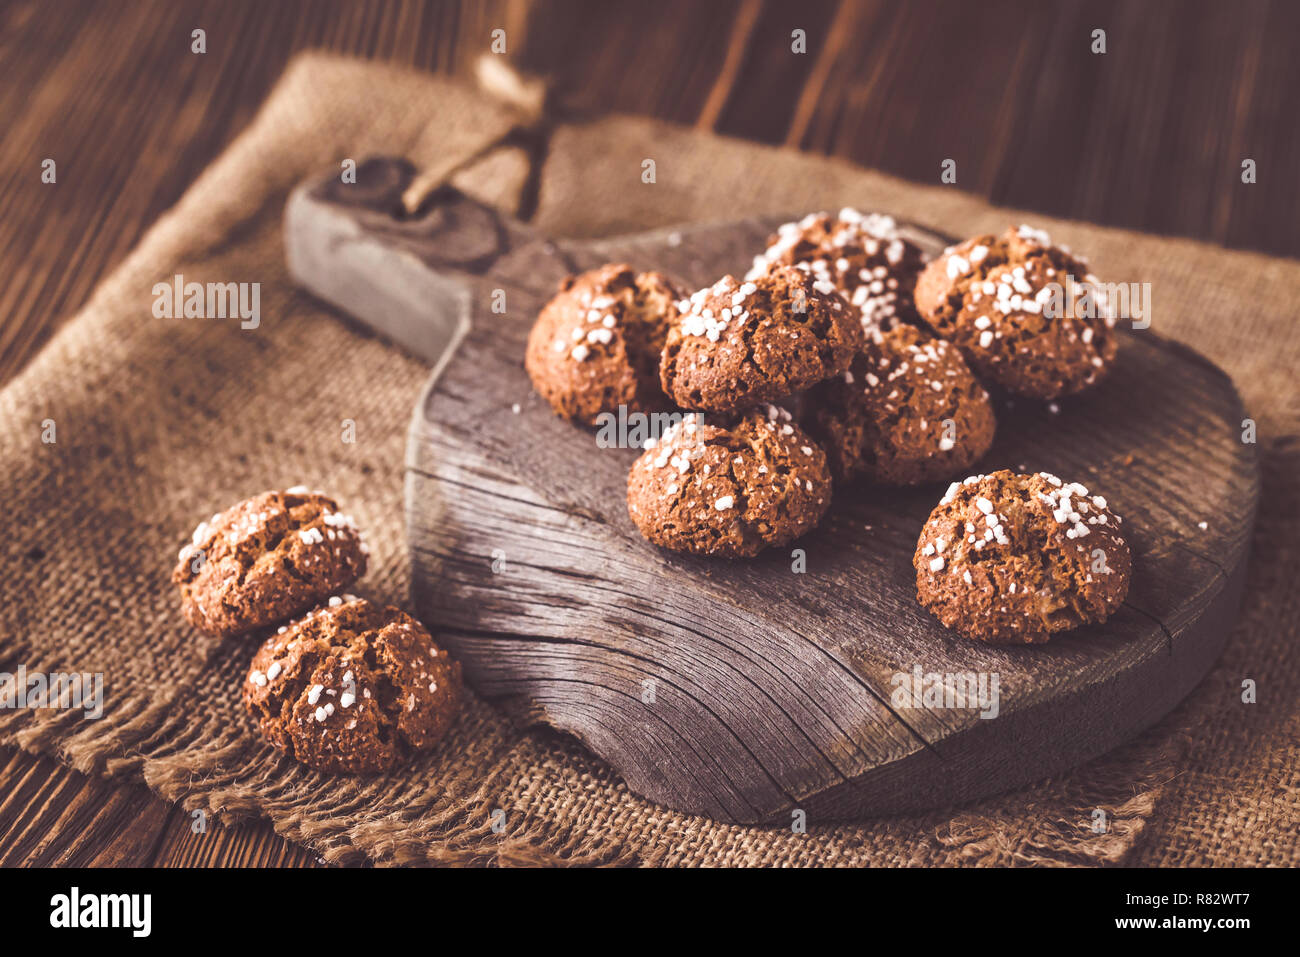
[1150,136]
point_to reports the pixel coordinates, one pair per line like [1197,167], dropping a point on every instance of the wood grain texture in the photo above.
[114,94]
[773,690]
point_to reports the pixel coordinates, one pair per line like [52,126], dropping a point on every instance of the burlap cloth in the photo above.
[162,421]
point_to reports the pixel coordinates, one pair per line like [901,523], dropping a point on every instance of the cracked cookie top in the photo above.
[596,344]
[352,687]
[729,492]
[1025,313]
[907,411]
[862,255]
[738,344]
[1009,557]
[266,559]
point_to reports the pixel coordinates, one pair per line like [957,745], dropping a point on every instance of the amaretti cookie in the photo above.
[353,687]
[596,345]
[738,343]
[1026,314]
[862,255]
[907,411]
[266,559]
[729,492]
[1009,557]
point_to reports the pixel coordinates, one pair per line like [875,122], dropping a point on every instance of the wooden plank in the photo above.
[254,844]
[898,95]
[52,816]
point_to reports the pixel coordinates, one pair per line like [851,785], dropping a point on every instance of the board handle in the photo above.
[408,276]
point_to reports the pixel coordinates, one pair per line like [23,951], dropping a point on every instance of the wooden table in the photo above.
[1146,135]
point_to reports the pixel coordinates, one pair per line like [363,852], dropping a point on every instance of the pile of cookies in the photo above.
[341,684]
[842,356]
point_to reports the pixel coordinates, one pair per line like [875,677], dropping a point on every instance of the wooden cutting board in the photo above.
[746,691]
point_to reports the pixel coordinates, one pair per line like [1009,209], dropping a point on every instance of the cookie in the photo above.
[738,344]
[729,492]
[265,559]
[1009,557]
[1026,314]
[596,345]
[863,256]
[907,411]
[353,688]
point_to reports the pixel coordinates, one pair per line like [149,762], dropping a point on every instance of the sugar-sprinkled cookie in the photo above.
[907,411]
[729,492]
[353,687]
[1017,558]
[265,559]
[596,344]
[1017,307]
[862,255]
[739,343]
